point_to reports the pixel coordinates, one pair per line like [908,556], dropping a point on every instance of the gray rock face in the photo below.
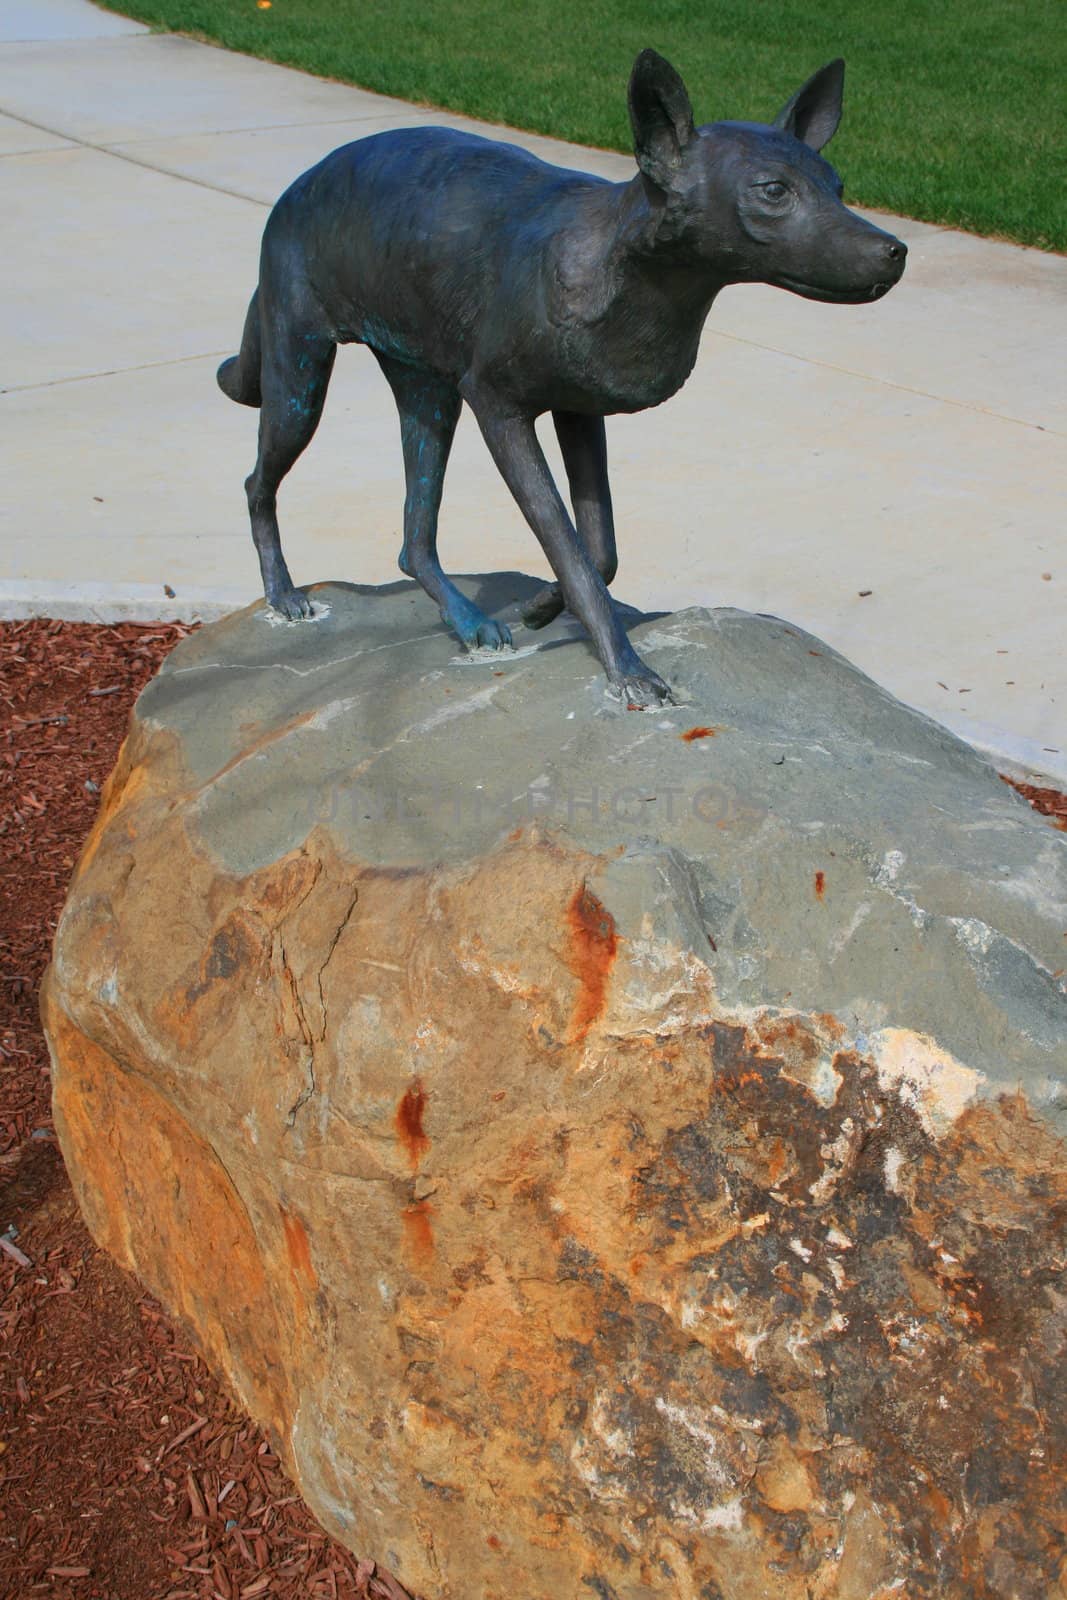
[821,847]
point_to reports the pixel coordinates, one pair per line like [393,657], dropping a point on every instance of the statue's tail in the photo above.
[239,376]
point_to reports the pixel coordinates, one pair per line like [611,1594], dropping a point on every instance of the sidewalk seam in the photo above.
[79,143]
[112,372]
[890,383]
[38,150]
[273,127]
[81,38]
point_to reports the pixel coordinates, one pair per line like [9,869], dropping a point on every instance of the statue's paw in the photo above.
[490,635]
[544,608]
[642,690]
[292,604]
[476,631]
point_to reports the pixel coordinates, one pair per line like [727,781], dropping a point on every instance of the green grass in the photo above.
[955,110]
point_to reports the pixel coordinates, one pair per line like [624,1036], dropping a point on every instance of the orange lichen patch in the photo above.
[780,1032]
[164,1205]
[782,1478]
[122,788]
[728,1083]
[820,884]
[554,1314]
[418,1232]
[298,1249]
[408,1123]
[148,767]
[778,1158]
[787,1039]
[990,1137]
[698,733]
[594,946]
[938,1502]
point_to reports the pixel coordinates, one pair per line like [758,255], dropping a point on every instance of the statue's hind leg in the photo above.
[429,409]
[583,442]
[295,372]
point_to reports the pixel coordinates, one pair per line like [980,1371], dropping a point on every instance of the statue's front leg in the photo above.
[583,441]
[514,446]
[429,408]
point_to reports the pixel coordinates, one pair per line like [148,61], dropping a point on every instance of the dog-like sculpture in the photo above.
[476,272]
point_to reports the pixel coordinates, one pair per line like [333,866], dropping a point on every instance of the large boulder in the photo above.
[616,1154]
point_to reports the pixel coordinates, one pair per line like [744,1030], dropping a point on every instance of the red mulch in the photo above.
[126,1473]
[1050,802]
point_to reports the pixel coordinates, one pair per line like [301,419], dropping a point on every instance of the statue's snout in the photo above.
[893,255]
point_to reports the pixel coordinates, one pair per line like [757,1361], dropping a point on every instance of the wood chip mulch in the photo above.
[1050,802]
[126,1472]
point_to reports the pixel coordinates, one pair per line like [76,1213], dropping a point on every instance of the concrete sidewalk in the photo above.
[911,448]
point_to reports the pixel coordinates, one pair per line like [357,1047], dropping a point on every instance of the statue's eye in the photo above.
[775,191]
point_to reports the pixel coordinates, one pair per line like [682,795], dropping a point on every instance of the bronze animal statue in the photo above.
[476,272]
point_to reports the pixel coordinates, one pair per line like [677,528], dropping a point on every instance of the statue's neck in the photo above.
[643,259]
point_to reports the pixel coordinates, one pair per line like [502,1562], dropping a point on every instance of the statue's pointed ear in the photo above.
[661,116]
[814,112]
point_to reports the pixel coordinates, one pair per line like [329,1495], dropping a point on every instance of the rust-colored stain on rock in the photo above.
[408,1123]
[820,884]
[298,1249]
[418,1232]
[165,1206]
[698,733]
[594,946]
[268,737]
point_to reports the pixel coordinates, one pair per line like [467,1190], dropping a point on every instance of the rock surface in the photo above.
[617,1154]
